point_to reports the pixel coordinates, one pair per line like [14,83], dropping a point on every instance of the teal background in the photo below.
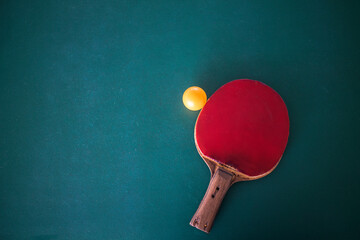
[96,144]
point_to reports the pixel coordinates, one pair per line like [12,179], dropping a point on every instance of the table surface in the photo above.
[95,142]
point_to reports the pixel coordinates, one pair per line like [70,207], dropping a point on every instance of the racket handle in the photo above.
[209,206]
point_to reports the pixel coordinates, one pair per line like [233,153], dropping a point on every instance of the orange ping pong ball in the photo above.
[194,98]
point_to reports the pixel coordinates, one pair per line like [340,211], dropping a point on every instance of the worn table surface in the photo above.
[96,144]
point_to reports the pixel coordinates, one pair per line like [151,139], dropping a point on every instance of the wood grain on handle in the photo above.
[209,206]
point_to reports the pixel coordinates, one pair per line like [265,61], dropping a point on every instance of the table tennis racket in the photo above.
[241,134]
